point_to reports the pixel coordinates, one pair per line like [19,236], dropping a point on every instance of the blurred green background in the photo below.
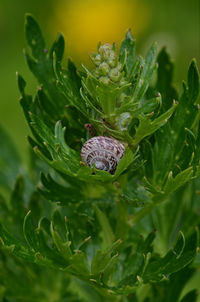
[175,24]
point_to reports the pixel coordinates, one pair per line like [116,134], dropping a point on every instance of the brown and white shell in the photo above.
[103,152]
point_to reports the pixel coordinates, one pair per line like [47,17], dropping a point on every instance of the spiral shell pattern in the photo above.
[103,152]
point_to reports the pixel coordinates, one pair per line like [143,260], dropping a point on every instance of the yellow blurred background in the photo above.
[84,23]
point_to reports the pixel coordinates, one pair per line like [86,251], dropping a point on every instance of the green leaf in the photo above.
[78,263]
[17,248]
[21,83]
[183,177]
[147,127]
[186,104]
[102,258]
[128,46]
[34,37]
[58,224]
[146,246]
[142,107]
[30,232]
[175,260]
[63,247]
[17,201]
[180,245]
[148,67]
[42,65]
[135,194]
[107,233]
[45,225]
[164,79]
[110,268]
[38,242]
[171,289]
[64,159]
[58,47]
[193,82]
[55,192]
[125,162]
[70,84]
[191,296]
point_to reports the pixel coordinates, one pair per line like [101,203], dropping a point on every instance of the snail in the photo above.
[103,152]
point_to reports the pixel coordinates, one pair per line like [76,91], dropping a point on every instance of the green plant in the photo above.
[83,234]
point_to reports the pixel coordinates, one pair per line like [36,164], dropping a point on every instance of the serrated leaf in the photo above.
[171,289]
[59,224]
[102,258]
[193,82]
[186,105]
[132,269]
[78,263]
[164,79]
[147,127]
[17,201]
[21,83]
[144,79]
[42,64]
[128,46]
[30,232]
[64,159]
[180,245]
[45,225]
[69,84]
[107,233]
[191,296]
[110,267]
[34,37]
[63,247]
[126,160]
[146,246]
[18,249]
[172,262]
[58,47]
[55,192]
[183,177]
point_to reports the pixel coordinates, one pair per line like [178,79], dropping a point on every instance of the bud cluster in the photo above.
[108,68]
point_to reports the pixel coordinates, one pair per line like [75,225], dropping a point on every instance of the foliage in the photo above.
[83,234]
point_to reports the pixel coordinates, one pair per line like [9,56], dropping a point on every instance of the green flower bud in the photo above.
[105,51]
[103,69]
[122,82]
[97,60]
[112,60]
[124,120]
[96,73]
[108,68]
[104,80]
[115,74]
[119,66]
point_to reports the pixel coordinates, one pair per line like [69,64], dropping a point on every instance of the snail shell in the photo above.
[103,152]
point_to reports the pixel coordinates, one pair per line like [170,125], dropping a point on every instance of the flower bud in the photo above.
[119,66]
[104,80]
[97,60]
[105,51]
[103,69]
[112,60]
[122,82]
[114,74]
[124,120]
